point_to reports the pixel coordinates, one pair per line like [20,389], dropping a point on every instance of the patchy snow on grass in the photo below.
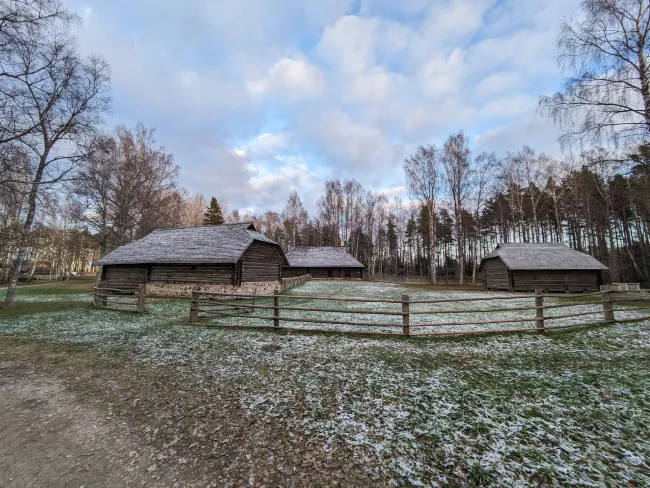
[562,409]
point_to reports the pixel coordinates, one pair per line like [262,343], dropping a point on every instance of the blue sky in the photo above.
[257,97]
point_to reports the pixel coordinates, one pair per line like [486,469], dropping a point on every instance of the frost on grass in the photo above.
[424,317]
[565,409]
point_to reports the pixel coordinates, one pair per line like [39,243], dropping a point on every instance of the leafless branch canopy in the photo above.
[607,92]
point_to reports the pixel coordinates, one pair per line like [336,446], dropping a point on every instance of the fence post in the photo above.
[276,310]
[608,307]
[405,315]
[142,293]
[194,305]
[539,310]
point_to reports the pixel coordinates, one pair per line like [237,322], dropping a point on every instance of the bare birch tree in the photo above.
[26,26]
[193,209]
[66,94]
[423,180]
[295,217]
[457,165]
[482,187]
[607,91]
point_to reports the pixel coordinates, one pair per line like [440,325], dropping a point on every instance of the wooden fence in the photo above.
[123,296]
[539,316]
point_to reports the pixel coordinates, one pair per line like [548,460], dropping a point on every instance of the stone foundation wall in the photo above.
[288,283]
[184,290]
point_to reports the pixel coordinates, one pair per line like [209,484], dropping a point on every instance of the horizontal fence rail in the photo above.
[416,317]
[125,296]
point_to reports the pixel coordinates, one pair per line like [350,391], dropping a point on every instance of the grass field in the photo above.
[563,409]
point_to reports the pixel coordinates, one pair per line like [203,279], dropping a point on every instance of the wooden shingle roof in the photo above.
[547,255]
[322,257]
[218,244]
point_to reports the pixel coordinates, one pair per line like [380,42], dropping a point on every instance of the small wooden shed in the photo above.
[323,262]
[228,254]
[546,266]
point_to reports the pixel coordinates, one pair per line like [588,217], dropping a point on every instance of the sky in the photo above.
[256,98]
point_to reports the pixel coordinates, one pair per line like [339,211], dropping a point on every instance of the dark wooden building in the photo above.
[545,266]
[323,262]
[229,254]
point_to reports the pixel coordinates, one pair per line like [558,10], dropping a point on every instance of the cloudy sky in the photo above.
[256,97]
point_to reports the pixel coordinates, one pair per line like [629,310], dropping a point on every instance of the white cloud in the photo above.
[441,76]
[268,144]
[354,143]
[289,78]
[395,191]
[307,77]
[271,187]
[530,130]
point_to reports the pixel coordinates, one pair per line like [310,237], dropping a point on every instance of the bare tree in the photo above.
[295,217]
[607,92]
[456,161]
[26,27]
[482,188]
[67,95]
[554,173]
[193,209]
[422,178]
[128,188]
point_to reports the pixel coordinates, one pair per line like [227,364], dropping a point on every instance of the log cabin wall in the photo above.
[496,275]
[556,280]
[261,262]
[130,273]
[217,274]
[356,273]
[289,272]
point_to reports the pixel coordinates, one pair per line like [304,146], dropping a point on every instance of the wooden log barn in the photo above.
[323,262]
[545,266]
[226,257]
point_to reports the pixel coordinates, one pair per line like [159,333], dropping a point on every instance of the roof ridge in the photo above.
[337,247]
[532,244]
[202,226]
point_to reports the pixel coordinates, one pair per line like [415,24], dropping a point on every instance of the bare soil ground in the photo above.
[69,417]
[48,438]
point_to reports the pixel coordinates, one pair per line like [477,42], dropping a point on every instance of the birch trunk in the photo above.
[432,244]
[23,242]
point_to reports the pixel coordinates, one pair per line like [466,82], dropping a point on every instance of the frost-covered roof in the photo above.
[218,244]
[547,255]
[322,257]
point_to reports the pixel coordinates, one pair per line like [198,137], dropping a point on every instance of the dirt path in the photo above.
[48,439]
[70,418]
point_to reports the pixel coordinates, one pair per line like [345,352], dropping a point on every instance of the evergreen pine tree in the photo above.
[212,215]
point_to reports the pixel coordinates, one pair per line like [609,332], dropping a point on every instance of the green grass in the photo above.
[35,308]
[57,288]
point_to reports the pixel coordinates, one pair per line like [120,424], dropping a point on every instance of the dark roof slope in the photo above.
[548,255]
[322,257]
[218,244]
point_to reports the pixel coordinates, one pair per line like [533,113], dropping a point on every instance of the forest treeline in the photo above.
[71,191]
[597,203]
